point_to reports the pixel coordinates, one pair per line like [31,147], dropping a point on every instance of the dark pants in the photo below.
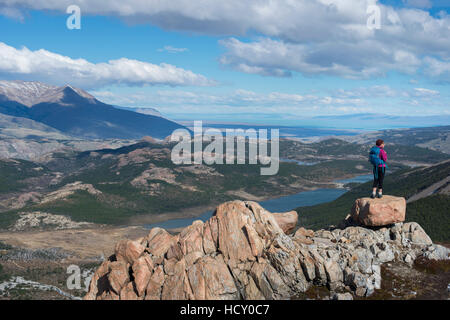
[378,181]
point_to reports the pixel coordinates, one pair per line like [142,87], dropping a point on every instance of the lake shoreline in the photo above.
[197,213]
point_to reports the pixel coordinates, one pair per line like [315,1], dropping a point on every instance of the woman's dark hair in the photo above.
[379,142]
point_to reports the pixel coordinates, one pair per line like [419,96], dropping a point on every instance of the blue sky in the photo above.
[212,60]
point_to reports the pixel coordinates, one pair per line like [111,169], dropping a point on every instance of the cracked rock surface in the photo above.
[243,253]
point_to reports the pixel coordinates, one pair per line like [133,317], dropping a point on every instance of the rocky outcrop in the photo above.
[287,221]
[242,253]
[379,212]
[37,220]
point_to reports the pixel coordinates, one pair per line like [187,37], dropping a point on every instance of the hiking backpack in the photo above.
[374,157]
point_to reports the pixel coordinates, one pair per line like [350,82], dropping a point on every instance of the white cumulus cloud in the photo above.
[308,36]
[46,66]
[278,58]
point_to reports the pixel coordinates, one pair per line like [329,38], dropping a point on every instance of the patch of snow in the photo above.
[30,93]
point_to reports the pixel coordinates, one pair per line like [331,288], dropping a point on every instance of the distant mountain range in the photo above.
[376,121]
[356,122]
[77,113]
[434,138]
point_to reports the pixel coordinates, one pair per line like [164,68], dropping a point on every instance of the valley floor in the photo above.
[88,243]
[34,264]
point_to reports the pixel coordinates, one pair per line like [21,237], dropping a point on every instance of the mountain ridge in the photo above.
[77,113]
[30,93]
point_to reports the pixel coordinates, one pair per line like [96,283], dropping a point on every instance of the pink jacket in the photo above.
[383,156]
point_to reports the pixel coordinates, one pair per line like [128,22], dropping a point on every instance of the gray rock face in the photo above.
[437,252]
[242,253]
[415,234]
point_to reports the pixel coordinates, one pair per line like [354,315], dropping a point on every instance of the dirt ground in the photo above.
[82,243]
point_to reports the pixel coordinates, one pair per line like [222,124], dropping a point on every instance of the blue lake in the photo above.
[358,179]
[300,163]
[282,204]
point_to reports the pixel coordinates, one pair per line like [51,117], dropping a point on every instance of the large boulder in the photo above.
[286,221]
[379,212]
[128,250]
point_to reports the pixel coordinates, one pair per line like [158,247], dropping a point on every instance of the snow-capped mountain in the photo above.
[77,113]
[30,93]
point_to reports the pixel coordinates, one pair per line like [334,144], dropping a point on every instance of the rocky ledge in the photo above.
[243,253]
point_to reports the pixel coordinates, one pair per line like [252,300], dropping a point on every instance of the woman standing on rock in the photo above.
[378,158]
